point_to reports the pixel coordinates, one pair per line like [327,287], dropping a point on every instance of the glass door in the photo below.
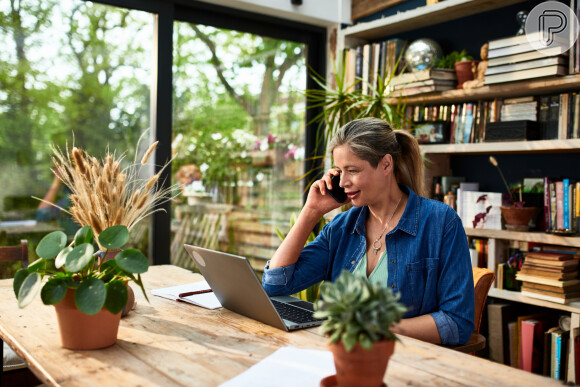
[238,140]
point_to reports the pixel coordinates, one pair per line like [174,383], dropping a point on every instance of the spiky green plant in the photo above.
[357,311]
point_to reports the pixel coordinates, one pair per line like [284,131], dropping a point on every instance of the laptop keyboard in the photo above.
[293,313]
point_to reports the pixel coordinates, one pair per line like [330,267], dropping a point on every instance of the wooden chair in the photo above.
[482,280]
[14,369]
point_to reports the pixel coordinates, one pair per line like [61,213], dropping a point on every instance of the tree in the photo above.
[274,57]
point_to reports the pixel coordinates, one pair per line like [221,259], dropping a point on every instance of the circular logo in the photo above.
[551,28]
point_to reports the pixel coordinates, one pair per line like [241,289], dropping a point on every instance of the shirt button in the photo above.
[393,286]
[352,262]
[393,261]
[390,236]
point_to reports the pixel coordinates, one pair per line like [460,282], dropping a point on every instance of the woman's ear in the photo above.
[386,164]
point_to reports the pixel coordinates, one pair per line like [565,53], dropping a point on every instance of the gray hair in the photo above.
[370,139]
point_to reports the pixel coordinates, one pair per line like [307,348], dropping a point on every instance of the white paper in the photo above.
[206,300]
[287,367]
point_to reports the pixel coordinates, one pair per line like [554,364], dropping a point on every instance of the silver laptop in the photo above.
[237,287]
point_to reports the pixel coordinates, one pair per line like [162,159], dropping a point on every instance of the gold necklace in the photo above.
[377,244]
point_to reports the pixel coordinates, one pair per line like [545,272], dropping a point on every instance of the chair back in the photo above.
[15,253]
[482,280]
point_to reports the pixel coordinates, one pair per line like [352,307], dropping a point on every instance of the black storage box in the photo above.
[512,131]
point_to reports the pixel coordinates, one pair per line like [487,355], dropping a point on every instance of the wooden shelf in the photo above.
[541,146]
[534,86]
[573,307]
[422,17]
[538,237]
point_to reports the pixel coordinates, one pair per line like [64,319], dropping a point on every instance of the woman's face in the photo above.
[363,183]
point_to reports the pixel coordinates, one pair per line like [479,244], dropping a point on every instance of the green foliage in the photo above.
[357,311]
[448,61]
[341,103]
[75,266]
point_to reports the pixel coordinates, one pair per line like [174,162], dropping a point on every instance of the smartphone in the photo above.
[337,192]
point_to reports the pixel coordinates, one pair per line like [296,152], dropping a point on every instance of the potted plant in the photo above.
[107,201]
[463,64]
[359,317]
[516,216]
[88,292]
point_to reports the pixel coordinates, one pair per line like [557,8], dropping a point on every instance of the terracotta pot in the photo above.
[464,71]
[362,367]
[518,219]
[81,331]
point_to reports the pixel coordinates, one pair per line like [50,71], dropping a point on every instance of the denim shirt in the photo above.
[429,263]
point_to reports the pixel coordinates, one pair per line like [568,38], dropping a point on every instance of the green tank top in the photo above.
[379,274]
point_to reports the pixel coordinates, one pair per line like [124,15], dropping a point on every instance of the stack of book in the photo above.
[514,58]
[425,81]
[550,276]
[516,109]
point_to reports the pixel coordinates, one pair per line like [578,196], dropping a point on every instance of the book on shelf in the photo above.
[526,74]
[546,281]
[473,203]
[562,251]
[559,350]
[551,298]
[532,64]
[531,286]
[499,315]
[525,56]
[433,73]
[568,263]
[427,82]
[406,91]
[520,44]
[532,341]
[554,275]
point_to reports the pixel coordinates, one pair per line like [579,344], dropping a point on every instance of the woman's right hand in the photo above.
[318,197]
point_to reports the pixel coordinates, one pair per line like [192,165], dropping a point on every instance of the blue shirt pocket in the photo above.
[422,285]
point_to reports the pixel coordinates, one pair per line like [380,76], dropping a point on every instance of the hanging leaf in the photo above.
[53,291]
[29,289]
[51,245]
[90,296]
[114,237]
[79,257]
[117,296]
[133,261]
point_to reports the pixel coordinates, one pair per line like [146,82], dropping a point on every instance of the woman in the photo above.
[416,245]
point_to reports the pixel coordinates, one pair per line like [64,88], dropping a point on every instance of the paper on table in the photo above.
[206,300]
[288,366]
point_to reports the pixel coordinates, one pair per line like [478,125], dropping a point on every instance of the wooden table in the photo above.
[168,343]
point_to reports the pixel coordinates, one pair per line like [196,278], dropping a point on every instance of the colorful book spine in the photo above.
[566,204]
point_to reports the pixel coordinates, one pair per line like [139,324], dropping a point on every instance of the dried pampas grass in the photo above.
[103,193]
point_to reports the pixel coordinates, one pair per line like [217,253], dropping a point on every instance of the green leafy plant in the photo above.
[75,266]
[340,102]
[448,61]
[358,311]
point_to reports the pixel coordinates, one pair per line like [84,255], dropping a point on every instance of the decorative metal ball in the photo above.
[422,54]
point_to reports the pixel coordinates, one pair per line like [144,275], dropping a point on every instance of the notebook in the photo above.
[238,289]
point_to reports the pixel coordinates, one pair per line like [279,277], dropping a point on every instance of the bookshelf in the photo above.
[404,24]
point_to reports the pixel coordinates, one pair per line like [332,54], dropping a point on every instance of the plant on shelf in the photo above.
[107,202]
[516,216]
[341,102]
[359,317]
[463,64]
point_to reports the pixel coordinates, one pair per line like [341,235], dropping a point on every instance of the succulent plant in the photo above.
[358,311]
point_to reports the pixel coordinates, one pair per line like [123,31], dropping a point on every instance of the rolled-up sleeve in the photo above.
[454,318]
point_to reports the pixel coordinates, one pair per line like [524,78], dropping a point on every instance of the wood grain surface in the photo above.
[169,343]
